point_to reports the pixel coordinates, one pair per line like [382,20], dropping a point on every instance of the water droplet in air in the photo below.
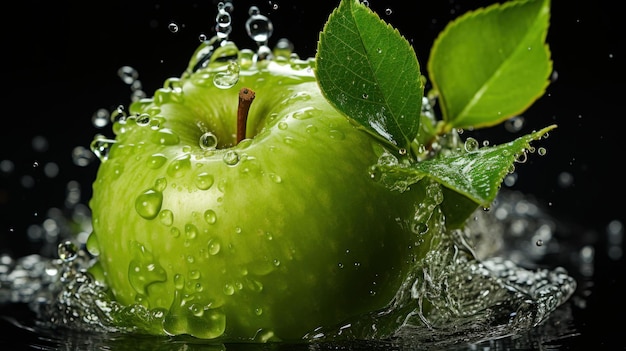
[173,27]
[514,124]
[471,145]
[67,251]
[542,151]
[222,19]
[100,118]
[259,27]
[127,74]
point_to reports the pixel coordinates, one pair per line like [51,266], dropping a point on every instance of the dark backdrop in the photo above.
[61,61]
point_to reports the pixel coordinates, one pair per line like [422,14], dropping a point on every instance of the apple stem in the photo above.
[246,96]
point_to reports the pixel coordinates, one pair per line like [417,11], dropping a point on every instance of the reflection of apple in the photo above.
[272,236]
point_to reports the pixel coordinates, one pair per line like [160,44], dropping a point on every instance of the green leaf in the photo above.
[476,175]
[491,64]
[368,71]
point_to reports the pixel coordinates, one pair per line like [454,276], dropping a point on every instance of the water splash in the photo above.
[472,288]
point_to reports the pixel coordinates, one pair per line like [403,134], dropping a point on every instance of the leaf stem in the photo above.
[246,96]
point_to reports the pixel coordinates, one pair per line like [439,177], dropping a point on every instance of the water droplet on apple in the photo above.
[210,217]
[92,245]
[258,311]
[179,282]
[156,161]
[101,146]
[336,134]
[67,251]
[419,228]
[275,178]
[175,232]
[229,289]
[231,157]
[165,136]
[311,129]
[160,184]
[191,231]
[166,217]
[283,125]
[148,204]
[194,274]
[304,113]
[143,120]
[180,166]
[204,181]
[210,325]
[214,247]
[227,79]
[143,270]
[208,141]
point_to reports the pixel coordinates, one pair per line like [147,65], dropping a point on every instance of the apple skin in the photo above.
[264,240]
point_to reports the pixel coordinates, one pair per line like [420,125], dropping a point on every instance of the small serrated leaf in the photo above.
[476,175]
[491,64]
[368,71]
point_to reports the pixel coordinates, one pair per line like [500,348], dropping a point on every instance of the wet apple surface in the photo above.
[238,239]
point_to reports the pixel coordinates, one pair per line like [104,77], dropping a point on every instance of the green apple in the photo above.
[264,238]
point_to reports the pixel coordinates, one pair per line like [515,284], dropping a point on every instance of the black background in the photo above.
[60,65]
